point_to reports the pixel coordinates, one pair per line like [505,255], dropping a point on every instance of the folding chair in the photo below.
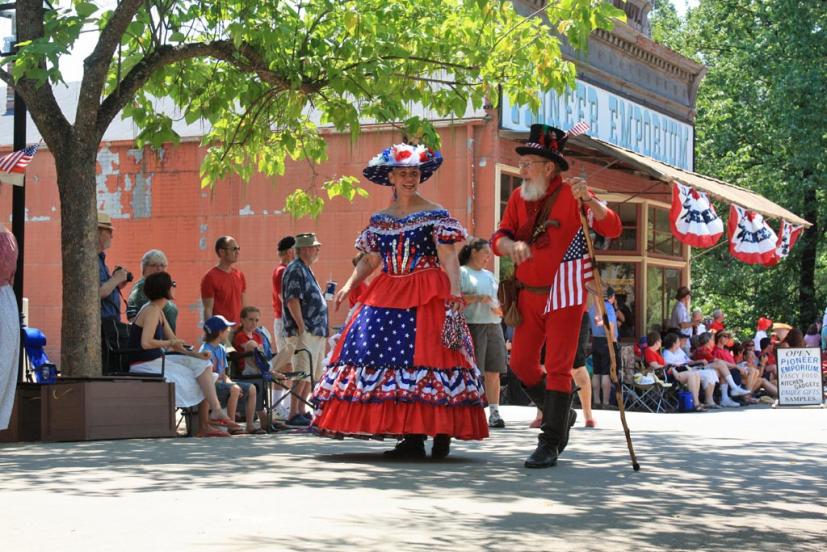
[264,380]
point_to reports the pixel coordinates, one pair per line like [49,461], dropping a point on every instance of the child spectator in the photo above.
[248,339]
[812,339]
[228,391]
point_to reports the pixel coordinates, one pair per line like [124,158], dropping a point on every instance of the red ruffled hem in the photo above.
[390,419]
[410,290]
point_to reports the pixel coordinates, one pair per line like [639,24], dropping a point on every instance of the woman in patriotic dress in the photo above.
[390,374]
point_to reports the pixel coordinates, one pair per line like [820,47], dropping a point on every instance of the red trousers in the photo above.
[559,330]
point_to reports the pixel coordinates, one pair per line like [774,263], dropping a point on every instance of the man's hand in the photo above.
[520,252]
[579,189]
[119,275]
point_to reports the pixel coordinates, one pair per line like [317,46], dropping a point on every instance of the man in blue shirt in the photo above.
[601,362]
[114,334]
[110,283]
[305,319]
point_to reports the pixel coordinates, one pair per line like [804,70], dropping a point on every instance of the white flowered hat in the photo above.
[399,156]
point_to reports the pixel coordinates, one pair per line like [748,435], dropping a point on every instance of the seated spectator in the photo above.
[246,340]
[228,391]
[675,356]
[191,372]
[704,352]
[750,359]
[767,363]
[698,316]
[717,324]
[749,376]
[686,377]
[812,339]
[780,331]
[153,261]
[793,339]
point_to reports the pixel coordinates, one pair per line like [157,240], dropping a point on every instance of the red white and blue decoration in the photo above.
[13,165]
[751,239]
[693,217]
[402,156]
[569,288]
[787,236]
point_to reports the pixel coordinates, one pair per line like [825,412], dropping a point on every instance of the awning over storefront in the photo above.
[610,154]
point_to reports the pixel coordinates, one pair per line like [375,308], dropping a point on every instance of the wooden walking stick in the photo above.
[601,311]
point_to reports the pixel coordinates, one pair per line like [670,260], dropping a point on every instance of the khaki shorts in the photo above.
[278,334]
[489,346]
[316,346]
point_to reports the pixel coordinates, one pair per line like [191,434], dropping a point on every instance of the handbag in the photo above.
[507,296]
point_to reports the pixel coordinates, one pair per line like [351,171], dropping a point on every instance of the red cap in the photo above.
[764,324]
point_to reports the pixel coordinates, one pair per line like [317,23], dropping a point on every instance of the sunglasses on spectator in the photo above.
[236,248]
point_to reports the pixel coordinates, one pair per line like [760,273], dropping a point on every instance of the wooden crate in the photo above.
[24,424]
[111,408]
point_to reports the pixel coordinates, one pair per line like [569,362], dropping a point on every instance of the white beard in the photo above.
[532,191]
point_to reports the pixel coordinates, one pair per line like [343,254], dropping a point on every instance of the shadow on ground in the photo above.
[690,494]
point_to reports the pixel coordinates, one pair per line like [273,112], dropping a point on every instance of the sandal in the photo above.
[700,408]
[226,422]
[257,431]
[234,431]
[590,423]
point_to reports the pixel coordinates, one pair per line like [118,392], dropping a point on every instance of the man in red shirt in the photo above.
[286,254]
[717,324]
[551,308]
[223,287]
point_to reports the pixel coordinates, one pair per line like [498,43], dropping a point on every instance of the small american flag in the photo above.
[578,129]
[17,161]
[575,271]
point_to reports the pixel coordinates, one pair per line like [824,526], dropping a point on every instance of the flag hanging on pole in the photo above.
[13,165]
[578,129]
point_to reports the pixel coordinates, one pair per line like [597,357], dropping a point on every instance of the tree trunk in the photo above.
[808,310]
[80,328]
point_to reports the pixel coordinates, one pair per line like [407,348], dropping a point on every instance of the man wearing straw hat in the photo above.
[542,233]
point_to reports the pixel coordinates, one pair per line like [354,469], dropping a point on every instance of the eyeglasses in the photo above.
[234,249]
[527,164]
[157,265]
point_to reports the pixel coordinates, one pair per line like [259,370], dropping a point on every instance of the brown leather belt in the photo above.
[539,290]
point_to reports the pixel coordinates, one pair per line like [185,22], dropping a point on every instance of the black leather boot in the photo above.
[410,447]
[556,416]
[537,393]
[571,421]
[441,447]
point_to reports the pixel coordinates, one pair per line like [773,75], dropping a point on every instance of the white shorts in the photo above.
[708,376]
[278,334]
[315,345]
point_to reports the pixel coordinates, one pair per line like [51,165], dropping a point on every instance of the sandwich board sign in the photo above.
[799,377]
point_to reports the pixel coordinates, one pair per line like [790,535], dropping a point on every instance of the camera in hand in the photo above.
[129,276]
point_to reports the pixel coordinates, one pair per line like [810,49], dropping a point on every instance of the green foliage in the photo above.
[761,124]
[272,72]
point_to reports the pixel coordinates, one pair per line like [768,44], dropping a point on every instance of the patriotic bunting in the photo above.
[787,236]
[751,240]
[693,218]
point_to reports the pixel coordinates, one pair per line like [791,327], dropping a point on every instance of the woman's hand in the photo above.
[341,295]
[456,303]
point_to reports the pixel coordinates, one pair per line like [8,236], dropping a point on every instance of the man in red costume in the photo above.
[553,268]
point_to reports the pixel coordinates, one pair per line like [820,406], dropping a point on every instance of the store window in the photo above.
[661,286]
[659,235]
[627,241]
[622,277]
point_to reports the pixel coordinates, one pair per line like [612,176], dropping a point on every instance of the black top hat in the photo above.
[546,141]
